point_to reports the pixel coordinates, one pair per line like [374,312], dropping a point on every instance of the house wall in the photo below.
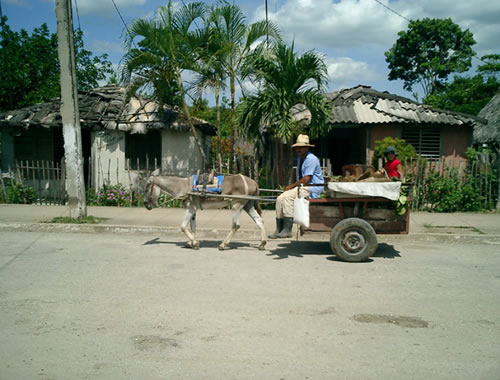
[34,144]
[108,158]
[180,153]
[180,156]
[455,142]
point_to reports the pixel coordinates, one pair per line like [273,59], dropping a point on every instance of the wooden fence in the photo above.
[47,178]
[480,173]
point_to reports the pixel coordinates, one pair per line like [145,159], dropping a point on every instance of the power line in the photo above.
[123,21]
[392,10]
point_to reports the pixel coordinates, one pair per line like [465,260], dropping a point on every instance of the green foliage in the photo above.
[447,193]
[402,205]
[491,66]
[117,195]
[467,95]
[428,52]
[404,150]
[29,66]
[285,80]
[443,193]
[201,110]
[110,195]
[17,193]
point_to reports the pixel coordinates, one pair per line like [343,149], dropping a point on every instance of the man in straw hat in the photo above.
[308,172]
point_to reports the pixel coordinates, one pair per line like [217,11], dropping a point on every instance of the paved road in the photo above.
[113,306]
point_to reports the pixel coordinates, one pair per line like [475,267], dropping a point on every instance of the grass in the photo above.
[83,220]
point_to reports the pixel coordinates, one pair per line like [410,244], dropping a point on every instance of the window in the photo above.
[426,141]
[141,151]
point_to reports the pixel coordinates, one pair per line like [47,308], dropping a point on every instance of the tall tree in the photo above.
[464,94]
[171,42]
[29,66]
[491,65]
[211,75]
[285,80]
[237,39]
[428,52]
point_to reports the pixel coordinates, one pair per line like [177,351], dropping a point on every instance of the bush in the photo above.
[404,150]
[113,195]
[443,193]
[18,194]
[117,195]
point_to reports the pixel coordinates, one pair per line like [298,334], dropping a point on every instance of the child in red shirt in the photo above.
[393,167]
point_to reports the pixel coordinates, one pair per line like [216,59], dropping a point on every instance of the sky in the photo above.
[351,34]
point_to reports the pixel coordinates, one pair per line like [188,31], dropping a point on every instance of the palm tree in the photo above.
[236,39]
[170,46]
[211,75]
[286,83]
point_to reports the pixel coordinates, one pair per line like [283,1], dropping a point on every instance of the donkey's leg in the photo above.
[237,207]
[188,218]
[260,223]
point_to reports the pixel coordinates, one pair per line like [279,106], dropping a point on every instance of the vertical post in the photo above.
[75,185]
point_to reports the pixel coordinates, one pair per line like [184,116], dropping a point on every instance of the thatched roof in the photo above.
[105,108]
[365,105]
[490,132]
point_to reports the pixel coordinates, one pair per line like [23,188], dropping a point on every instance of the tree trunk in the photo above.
[75,184]
[189,119]
[219,142]
[231,152]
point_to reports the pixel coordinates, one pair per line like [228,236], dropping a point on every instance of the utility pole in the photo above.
[70,114]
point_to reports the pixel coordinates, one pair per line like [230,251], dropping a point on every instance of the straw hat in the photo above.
[302,140]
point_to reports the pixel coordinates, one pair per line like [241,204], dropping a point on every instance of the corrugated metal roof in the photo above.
[364,105]
[107,108]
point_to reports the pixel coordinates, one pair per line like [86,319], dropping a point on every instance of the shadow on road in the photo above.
[300,249]
[203,244]
[304,248]
[386,251]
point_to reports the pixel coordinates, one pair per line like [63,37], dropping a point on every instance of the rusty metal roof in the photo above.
[364,105]
[106,107]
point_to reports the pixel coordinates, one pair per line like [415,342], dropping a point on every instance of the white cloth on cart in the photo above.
[389,190]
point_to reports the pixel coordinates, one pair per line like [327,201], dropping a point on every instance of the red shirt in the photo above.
[391,168]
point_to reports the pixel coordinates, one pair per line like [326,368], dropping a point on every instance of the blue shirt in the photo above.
[311,167]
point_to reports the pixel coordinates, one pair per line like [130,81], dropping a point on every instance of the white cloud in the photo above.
[344,71]
[335,24]
[324,24]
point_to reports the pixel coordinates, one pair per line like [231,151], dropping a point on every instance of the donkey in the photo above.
[233,185]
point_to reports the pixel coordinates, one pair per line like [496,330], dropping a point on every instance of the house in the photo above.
[362,115]
[121,137]
[489,133]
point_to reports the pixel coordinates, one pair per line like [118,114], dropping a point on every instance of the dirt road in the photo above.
[107,306]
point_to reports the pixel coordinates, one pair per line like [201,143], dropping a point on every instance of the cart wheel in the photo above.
[353,239]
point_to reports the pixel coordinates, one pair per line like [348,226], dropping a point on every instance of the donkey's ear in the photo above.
[156,173]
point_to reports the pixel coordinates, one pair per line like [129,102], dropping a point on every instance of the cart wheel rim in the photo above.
[353,241]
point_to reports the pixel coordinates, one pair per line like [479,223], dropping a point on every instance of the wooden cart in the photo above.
[354,222]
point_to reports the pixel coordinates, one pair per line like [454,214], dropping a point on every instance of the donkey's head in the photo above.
[151,192]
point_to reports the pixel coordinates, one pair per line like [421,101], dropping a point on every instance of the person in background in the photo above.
[393,167]
[308,172]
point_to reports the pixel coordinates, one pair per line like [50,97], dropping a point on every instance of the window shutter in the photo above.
[426,141]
